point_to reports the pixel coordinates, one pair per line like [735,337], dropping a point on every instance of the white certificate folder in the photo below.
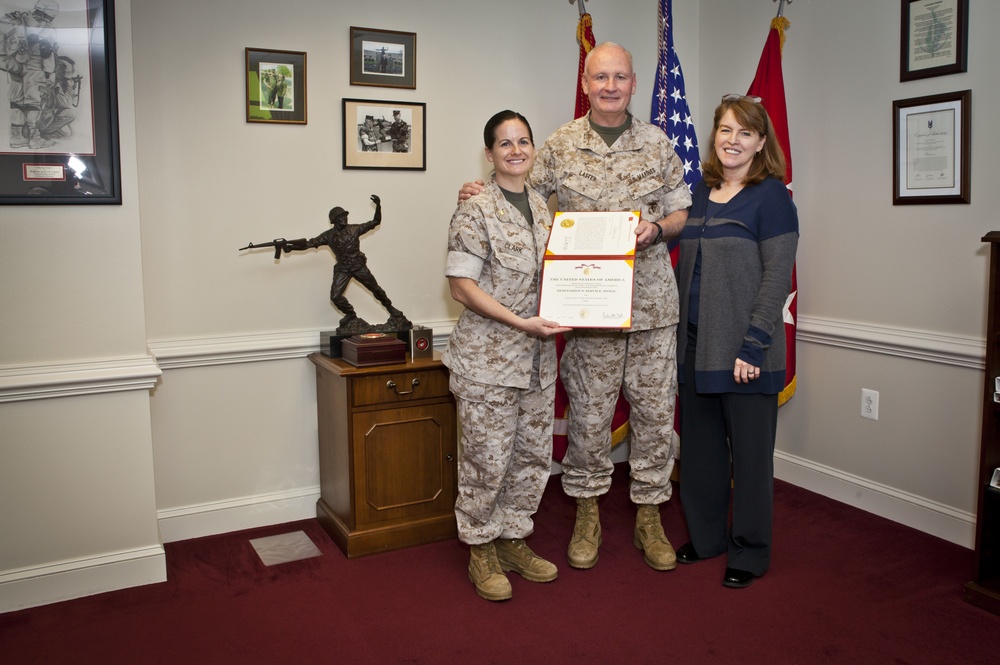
[589,268]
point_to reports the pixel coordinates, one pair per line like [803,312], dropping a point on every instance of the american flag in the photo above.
[670,108]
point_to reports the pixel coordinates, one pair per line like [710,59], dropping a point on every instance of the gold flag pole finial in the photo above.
[780,23]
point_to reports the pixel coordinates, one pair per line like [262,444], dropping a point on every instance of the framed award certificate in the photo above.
[588,271]
[931,144]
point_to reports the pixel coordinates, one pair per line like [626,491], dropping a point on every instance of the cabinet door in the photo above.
[404,463]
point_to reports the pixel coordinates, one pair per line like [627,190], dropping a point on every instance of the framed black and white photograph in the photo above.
[59,142]
[385,58]
[276,86]
[384,135]
[931,149]
[934,38]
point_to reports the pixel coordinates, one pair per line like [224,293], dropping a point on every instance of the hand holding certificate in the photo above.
[588,272]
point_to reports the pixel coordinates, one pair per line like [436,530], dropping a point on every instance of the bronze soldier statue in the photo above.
[344,240]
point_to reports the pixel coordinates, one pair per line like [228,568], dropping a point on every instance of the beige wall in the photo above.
[891,297]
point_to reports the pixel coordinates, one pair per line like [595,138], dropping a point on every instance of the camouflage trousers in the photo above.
[506,458]
[594,365]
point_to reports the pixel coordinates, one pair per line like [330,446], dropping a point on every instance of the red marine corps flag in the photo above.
[769,85]
[619,422]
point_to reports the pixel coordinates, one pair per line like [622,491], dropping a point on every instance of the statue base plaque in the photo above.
[331,341]
[372,349]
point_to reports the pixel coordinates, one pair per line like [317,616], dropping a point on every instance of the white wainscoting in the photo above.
[902,342]
[43,381]
[195,521]
[24,382]
[914,511]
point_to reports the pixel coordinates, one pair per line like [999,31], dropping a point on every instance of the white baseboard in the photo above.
[66,580]
[908,509]
[255,347]
[208,519]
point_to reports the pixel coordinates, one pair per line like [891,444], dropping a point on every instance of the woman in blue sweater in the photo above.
[734,274]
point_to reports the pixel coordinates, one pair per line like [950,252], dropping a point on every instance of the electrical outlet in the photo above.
[869,404]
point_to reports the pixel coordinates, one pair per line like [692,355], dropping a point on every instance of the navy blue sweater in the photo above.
[747,255]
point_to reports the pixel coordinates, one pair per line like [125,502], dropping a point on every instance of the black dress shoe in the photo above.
[736,579]
[686,554]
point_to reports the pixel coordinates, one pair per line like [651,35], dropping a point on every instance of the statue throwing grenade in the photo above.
[345,241]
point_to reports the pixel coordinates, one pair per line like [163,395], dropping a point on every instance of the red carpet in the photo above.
[844,587]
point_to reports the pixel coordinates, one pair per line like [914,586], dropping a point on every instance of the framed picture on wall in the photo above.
[384,135]
[385,58]
[276,86]
[934,38]
[931,149]
[59,128]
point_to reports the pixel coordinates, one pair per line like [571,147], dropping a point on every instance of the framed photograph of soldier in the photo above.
[276,86]
[934,38]
[59,140]
[384,135]
[385,58]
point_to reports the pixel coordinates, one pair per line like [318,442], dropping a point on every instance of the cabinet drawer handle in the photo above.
[392,386]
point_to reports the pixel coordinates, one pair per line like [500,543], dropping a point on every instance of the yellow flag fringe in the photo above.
[779,23]
[586,23]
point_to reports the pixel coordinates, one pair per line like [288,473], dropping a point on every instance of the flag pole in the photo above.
[768,83]
[781,6]
[580,4]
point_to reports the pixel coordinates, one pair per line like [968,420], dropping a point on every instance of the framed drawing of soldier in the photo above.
[59,138]
[384,135]
[386,58]
[276,86]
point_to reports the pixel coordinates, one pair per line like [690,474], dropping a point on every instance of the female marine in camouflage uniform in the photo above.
[502,361]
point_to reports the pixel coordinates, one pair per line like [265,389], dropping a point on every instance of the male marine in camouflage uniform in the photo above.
[610,160]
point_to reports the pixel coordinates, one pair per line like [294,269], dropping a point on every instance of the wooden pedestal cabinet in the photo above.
[387,440]
[984,589]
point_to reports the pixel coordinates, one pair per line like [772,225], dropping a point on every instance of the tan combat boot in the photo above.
[485,573]
[517,556]
[657,551]
[582,552]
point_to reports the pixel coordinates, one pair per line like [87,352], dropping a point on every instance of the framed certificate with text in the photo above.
[588,271]
[931,149]
[934,38]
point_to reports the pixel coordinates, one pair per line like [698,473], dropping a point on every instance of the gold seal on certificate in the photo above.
[588,270]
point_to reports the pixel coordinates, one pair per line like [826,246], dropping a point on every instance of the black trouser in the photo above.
[727,440]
